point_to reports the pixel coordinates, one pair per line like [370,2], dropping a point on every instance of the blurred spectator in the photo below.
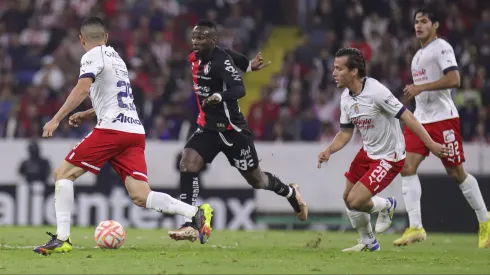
[49,75]
[35,168]
[262,114]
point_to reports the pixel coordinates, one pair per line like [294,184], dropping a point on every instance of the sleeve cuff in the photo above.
[346,125]
[87,75]
[448,69]
[399,114]
[249,68]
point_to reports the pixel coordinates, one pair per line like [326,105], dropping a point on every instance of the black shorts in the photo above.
[238,147]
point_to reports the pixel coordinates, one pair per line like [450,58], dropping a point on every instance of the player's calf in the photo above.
[138,191]
[268,181]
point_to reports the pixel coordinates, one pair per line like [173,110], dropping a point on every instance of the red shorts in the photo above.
[446,132]
[124,151]
[375,174]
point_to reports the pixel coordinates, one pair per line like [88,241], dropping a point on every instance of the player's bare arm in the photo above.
[78,118]
[76,97]
[414,125]
[341,139]
[450,80]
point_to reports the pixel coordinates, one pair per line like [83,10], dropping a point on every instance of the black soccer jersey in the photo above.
[218,73]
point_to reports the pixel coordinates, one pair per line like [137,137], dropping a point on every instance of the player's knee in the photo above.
[457,173]
[345,196]
[408,170]
[61,173]
[191,163]
[354,203]
[139,199]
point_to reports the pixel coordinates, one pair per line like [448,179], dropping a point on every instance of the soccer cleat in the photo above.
[187,231]
[484,234]
[298,204]
[361,247]
[411,235]
[54,245]
[199,228]
[202,221]
[385,217]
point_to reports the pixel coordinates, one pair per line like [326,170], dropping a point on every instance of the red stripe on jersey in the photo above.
[201,119]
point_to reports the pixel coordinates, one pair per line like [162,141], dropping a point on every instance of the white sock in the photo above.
[471,192]
[164,203]
[362,222]
[412,192]
[64,201]
[380,204]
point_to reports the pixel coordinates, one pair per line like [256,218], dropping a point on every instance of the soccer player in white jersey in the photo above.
[434,73]
[118,138]
[370,107]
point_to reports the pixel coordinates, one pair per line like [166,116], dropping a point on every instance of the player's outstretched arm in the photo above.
[76,97]
[341,139]
[414,125]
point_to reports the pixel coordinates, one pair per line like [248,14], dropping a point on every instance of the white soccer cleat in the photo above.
[186,232]
[385,217]
[361,247]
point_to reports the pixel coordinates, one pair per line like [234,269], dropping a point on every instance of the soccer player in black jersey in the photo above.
[222,127]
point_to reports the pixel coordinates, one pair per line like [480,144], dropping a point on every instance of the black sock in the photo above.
[279,187]
[189,187]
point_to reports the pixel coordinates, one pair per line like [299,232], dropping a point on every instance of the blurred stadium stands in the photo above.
[294,99]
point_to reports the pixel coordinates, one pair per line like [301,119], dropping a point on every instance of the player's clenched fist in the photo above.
[439,150]
[323,157]
[77,119]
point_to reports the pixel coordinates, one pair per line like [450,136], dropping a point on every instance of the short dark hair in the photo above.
[93,21]
[355,60]
[93,29]
[206,23]
[429,11]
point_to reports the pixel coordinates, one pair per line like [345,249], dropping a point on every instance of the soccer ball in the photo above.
[109,234]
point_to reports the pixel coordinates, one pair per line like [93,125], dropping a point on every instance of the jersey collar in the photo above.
[362,89]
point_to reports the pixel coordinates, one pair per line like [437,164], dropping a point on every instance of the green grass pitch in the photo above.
[238,252]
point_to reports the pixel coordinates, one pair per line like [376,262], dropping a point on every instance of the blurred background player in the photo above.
[435,73]
[222,127]
[370,107]
[118,138]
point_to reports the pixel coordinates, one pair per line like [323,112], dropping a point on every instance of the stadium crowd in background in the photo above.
[40,54]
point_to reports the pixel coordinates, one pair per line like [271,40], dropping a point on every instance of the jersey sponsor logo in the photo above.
[363,123]
[202,90]
[125,119]
[419,75]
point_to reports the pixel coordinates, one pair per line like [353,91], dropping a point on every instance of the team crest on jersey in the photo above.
[207,68]
[356,108]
